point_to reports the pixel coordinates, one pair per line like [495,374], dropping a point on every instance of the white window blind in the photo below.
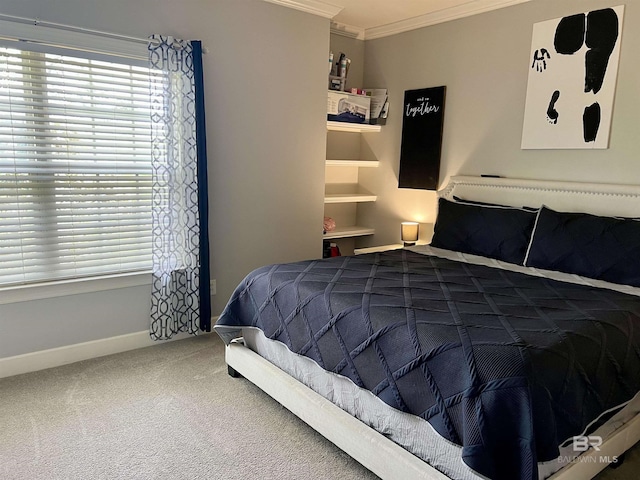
[75,167]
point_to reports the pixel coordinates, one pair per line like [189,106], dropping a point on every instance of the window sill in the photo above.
[62,288]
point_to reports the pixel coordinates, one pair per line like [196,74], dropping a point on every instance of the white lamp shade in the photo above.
[409,232]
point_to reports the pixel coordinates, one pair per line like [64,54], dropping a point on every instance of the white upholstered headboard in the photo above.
[596,198]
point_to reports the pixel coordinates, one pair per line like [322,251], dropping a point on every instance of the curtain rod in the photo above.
[71,28]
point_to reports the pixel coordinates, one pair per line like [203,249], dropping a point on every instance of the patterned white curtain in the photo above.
[176,292]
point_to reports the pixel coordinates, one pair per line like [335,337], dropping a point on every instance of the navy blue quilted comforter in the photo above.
[507,365]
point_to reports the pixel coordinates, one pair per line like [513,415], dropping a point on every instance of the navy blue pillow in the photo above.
[491,231]
[604,248]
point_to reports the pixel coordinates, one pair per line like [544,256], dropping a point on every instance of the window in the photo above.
[75,167]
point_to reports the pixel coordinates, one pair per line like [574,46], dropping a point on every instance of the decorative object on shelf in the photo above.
[422,122]
[338,72]
[573,66]
[326,248]
[409,232]
[328,225]
[330,249]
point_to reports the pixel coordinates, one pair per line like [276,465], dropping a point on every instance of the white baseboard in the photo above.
[55,357]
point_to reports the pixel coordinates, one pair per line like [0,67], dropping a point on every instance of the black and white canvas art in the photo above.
[573,67]
[421,143]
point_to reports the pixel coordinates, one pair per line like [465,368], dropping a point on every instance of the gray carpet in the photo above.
[165,412]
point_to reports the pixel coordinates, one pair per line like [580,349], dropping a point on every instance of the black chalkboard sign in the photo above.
[421,146]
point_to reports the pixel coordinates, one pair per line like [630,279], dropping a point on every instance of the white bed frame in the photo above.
[375,451]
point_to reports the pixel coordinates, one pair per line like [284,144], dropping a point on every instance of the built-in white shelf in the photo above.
[347,193]
[345,232]
[352,127]
[349,197]
[341,184]
[352,163]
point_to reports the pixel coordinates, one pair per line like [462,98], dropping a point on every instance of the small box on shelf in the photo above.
[346,107]
[337,83]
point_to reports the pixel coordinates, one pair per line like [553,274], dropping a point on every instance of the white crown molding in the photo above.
[314,7]
[440,16]
[347,30]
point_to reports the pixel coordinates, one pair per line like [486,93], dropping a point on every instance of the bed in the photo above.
[508,348]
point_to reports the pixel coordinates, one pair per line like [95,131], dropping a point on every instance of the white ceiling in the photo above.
[374,13]
[368,19]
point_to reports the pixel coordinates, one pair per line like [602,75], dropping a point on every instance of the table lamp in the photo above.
[409,233]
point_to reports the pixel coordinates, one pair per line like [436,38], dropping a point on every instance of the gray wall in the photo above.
[265,80]
[483,61]
[266,94]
